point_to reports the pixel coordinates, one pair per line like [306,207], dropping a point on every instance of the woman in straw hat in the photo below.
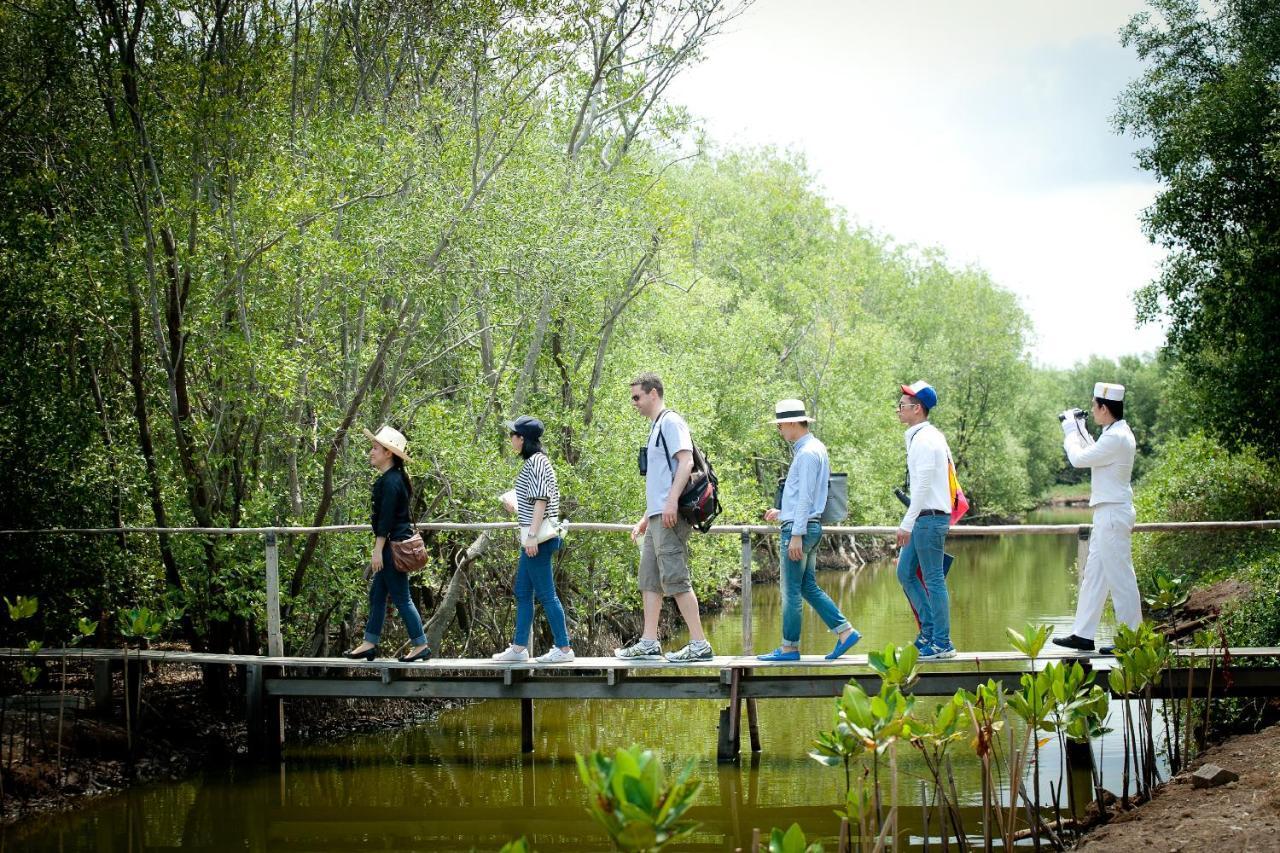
[391,498]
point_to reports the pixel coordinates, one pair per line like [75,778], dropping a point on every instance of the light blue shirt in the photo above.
[804,495]
[674,434]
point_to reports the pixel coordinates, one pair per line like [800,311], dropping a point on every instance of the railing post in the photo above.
[747,640]
[1082,547]
[275,641]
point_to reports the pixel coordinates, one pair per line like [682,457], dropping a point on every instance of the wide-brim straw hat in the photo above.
[790,412]
[392,439]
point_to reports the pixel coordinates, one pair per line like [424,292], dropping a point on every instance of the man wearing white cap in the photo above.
[923,530]
[804,495]
[1109,568]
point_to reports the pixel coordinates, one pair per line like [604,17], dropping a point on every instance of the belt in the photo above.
[925,512]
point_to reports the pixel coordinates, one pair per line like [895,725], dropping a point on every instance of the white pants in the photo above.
[1109,569]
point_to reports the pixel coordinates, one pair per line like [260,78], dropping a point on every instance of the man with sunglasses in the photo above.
[666,461]
[1109,567]
[922,533]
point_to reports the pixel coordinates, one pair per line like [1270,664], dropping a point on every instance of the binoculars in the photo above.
[1078,414]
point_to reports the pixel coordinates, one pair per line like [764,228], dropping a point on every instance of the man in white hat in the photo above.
[922,533]
[804,495]
[1109,568]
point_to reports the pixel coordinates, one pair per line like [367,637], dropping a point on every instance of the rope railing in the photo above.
[275,637]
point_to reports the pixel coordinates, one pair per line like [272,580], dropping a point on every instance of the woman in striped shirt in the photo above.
[536,498]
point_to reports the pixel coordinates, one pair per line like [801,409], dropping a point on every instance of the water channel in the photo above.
[460,783]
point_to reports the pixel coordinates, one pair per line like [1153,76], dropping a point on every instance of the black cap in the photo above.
[526,426]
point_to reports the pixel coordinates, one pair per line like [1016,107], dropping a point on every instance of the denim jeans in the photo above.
[930,598]
[800,582]
[533,578]
[393,584]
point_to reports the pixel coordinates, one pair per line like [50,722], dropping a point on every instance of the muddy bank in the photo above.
[1238,816]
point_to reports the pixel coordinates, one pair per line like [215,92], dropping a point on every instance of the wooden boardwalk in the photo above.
[734,680]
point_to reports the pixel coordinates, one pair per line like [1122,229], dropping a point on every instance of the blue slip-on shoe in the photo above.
[844,645]
[779,655]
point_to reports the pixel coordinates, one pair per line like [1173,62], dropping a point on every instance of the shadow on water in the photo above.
[460,783]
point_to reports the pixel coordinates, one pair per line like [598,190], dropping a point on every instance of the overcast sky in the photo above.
[981,126]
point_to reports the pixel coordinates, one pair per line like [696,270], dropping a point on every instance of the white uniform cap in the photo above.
[1108,391]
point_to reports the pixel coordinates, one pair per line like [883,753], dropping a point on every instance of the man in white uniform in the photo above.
[1109,568]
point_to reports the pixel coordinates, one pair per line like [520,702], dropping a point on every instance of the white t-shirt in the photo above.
[657,482]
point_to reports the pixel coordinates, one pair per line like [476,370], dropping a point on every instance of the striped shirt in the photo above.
[537,481]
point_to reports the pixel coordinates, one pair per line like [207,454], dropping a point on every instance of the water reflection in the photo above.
[461,783]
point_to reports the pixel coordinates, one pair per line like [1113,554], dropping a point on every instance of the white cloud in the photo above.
[981,127]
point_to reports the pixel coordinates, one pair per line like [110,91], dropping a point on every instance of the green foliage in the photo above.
[198,320]
[141,623]
[791,841]
[896,665]
[629,796]
[1032,641]
[22,607]
[1169,594]
[1197,479]
[1204,108]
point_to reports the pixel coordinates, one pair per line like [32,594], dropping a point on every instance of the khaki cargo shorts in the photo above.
[664,558]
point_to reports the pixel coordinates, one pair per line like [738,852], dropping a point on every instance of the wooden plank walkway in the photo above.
[729,678]
[719,662]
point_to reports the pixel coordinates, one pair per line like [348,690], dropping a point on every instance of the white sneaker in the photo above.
[556,655]
[512,655]
[699,650]
[642,649]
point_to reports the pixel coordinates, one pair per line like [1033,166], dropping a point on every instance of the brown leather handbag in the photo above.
[410,555]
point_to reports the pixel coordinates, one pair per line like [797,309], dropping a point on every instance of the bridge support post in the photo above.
[102,687]
[264,714]
[526,726]
[729,740]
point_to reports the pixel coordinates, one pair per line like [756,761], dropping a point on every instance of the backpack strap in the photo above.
[657,425]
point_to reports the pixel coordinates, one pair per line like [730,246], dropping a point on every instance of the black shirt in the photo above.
[390,506]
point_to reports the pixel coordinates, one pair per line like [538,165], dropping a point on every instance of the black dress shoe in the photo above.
[1106,650]
[425,654]
[1080,644]
[368,654]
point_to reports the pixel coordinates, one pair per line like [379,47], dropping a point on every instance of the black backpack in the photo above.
[700,501]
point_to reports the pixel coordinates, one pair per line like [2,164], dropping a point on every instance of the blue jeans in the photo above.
[393,584]
[799,582]
[930,598]
[533,578]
